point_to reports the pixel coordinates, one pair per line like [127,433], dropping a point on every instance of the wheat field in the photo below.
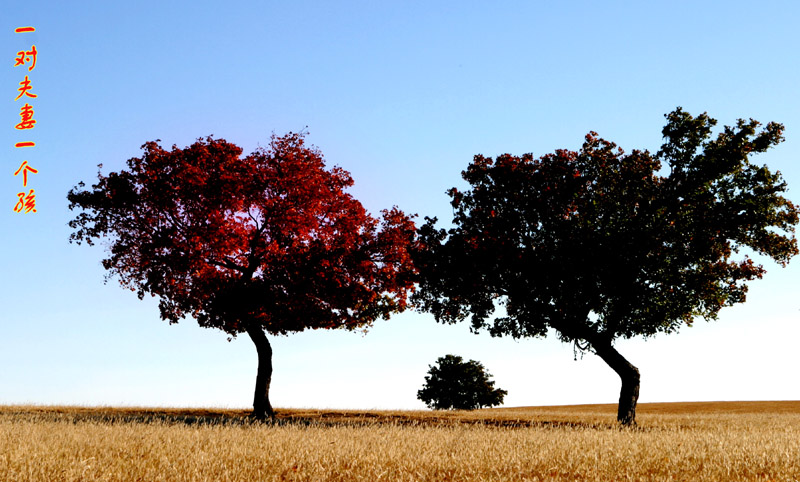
[682,441]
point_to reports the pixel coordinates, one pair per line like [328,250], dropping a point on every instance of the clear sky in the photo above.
[402,95]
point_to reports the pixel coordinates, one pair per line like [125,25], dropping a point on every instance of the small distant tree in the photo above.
[455,384]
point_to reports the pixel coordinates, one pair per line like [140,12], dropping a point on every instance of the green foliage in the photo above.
[597,244]
[455,384]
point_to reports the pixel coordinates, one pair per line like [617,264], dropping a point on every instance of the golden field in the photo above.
[721,441]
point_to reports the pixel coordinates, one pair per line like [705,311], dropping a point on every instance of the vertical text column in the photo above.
[26,61]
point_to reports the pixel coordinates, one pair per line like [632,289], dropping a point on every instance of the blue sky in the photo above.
[402,95]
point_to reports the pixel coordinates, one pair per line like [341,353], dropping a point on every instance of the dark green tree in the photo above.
[455,384]
[599,244]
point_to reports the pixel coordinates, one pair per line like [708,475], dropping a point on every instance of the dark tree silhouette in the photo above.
[455,384]
[598,245]
[269,243]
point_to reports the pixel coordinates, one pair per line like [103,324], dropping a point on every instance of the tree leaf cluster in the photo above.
[599,244]
[270,240]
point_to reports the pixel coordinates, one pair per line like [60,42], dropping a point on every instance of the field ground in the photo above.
[673,441]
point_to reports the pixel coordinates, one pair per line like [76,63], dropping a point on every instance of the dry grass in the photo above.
[691,441]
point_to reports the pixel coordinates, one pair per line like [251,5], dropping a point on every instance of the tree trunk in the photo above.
[262,409]
[629,375]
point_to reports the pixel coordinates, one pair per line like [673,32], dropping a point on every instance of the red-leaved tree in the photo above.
[268,243]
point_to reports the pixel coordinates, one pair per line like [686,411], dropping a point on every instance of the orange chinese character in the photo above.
[24,168]
[26,56]
[26,202]
[26,113]
[25,144]
[24,29]
[25,86]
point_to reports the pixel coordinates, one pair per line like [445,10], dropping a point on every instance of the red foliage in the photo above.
[270,240]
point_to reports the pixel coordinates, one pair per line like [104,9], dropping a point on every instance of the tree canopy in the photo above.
[600,244]
[453,383]
[270,242]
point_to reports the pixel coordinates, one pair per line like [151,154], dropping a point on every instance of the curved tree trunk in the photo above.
[629,375]
[262,409]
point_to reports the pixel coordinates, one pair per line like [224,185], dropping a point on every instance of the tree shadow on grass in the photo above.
[298,418]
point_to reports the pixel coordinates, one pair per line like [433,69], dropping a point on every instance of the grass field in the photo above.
[673,441]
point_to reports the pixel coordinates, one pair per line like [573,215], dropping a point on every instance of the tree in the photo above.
[599,244]
[268,243]
[455,384]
